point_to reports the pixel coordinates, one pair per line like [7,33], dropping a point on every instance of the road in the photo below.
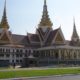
[67,77]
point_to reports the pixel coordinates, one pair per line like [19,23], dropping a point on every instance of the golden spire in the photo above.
[74,35]
[4,23]
[45,21]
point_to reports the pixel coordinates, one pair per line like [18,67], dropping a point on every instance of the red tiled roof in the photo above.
[34,37]
[17,38]
[25,40]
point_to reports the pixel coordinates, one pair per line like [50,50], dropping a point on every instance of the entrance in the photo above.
[29,62]
[32,63]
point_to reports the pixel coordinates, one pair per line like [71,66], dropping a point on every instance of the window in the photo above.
[7,50]
[17,55]
[29,51]
[13,61]
[1,50]
[21,51]
[13,55]
[17,61]
[7,55]
[20,60]
[25,51]
[20,55]
[1,55]
[25,55]
[17,50]
[13,51]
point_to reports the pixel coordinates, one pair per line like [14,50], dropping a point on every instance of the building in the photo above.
[46,47]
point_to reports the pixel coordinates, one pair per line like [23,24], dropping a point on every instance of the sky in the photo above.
[24,15]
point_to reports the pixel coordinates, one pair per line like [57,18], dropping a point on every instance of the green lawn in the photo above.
[30,73]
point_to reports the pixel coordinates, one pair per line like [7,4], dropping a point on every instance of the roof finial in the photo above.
[44,2]
[45,21]
[74,21]
[74,25]
[4,23]
[5,4]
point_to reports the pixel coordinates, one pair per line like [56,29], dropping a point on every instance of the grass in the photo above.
[31,73]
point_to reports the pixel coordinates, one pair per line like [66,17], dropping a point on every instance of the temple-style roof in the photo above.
[44,36]
[51,36]
[4,22]
[45,21]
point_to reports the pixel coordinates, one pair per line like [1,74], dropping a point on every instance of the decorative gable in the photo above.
[59,38]
[5,37]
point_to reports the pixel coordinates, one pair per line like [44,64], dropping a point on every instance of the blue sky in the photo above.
[24,15]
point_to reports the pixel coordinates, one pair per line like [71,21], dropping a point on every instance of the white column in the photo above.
[10,58]
[77,54]
[59,54]
[4,56]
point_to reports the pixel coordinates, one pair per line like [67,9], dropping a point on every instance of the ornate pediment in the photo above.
[59,38]
[5,37]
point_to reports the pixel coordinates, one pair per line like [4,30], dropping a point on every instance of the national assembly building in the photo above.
[46,47]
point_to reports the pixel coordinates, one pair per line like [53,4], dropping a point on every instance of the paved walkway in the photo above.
[66,77]
[75,77]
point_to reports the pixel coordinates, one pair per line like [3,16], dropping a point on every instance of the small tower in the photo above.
[75,36]
[4,23]
[45,21]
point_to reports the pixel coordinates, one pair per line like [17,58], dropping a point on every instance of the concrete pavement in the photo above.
[57,77]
